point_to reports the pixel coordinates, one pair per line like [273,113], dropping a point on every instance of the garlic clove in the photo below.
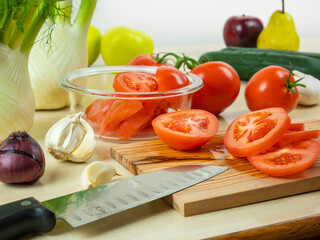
[71,138]
[97,173]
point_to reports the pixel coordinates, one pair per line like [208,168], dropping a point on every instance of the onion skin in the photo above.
[21,159]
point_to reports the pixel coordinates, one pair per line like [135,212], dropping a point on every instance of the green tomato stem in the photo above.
[291,85]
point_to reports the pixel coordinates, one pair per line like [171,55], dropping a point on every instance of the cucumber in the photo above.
[308,54]
[247,62]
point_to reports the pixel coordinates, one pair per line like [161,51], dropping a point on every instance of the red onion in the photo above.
[21,159]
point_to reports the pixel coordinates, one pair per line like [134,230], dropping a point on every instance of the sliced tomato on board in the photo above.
[186,129]
[118,111]
[96,110]
[135,82]
[298,135]
[286,158]
[256,131]
[296,127]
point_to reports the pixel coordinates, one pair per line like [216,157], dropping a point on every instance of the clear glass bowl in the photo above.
[91,89]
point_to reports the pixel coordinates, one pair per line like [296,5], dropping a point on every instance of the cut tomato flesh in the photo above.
[118,111]
[256,131]
[96,110]
[135,82]
[298,135]
[186,129]
[286,158]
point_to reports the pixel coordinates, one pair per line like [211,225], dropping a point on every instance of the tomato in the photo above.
[117,112]
[145,60]
[271,87]
[287,158]
[96,110]
[297,135]
[186,129]
[170,78]
[135,82]
[137,121]
[296,127]
[221,86]
[119,45]
[256,131]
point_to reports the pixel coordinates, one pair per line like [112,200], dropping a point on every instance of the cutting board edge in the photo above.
[189,208]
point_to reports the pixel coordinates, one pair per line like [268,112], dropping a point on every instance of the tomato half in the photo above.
[187,129]
[221,86]
[256,131]
[135,82]
[170,78]
[271,87]
[287,158]
[145,60]
[117,112]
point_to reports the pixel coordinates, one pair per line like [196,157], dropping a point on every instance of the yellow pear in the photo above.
[94,39]
[280,33]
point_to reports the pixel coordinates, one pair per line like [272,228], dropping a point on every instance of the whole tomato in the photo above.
[221,86]
[272,86]
[145,60]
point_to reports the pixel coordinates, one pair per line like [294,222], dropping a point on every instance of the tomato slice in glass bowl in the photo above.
[287,158]
[256,131]
[186,129]
[117,112]
[135,82]
[96,110]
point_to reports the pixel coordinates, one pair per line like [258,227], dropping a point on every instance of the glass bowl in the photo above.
[122,116]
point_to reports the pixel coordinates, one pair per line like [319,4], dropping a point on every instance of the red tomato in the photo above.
[118,111]
[170,78]
[298,135]
[270,87]
[96,110]
[287,158]
[137,121]
[221,86]
[135,82]
[296,127]
[256,131]
[145,60]
[187,129]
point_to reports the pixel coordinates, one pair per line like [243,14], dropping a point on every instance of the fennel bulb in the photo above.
[68,51]
[16,98]
[20,23]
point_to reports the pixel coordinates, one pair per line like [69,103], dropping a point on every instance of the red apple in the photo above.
[242,31]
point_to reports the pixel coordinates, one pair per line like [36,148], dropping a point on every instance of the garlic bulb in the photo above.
[97,173]
[71,138]
[309,95]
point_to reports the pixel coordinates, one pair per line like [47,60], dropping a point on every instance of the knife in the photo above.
[29,216]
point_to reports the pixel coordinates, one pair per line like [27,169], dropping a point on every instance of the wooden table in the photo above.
[285,218]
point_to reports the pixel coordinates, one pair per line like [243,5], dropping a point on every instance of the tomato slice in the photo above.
[135,82]
[287,158]
[96,110]
[137,121]
[117,112]
[298,135]
[256,131]
[186,129]
[296,127]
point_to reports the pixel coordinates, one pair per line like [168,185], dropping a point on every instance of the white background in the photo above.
[192,22]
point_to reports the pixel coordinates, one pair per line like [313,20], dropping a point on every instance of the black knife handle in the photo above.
[24,217]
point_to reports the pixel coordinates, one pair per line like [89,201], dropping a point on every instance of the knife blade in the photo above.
[29,216]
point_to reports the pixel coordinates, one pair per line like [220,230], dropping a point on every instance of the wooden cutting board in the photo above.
[241,184]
